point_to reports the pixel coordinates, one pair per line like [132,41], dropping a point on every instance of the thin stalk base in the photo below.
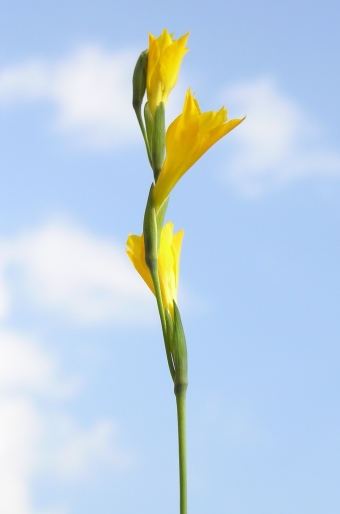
[180,392]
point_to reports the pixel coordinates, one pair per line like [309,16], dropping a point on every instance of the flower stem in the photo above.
[145,137]
[155,280]
[180,392]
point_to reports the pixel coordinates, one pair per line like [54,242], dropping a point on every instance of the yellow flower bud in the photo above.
[164,61]
[168,262]
[188,137]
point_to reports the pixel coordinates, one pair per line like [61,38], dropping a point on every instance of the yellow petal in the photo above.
[170,63]
[181,142]
[165,58]
[211,119]
[136,253]
[153,58]
[164,40]
[212,137]
[176,245]
[187,139]
[168,262]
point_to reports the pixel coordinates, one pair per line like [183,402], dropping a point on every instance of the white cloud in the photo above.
[22,364]
[35,441]
[277,143]
[20,427]
[4,293]
[89,279]
[91,90]
[85,278]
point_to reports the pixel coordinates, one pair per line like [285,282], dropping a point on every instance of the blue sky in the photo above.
[86,403]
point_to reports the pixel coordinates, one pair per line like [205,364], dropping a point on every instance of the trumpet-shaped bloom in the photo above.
[188,137]
[164,61]
[168,262]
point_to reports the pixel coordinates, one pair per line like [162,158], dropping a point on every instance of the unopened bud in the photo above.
[139,81]
[179,352]
[160,215]
[158,140]
[150,233]
[148,123]
[169,329]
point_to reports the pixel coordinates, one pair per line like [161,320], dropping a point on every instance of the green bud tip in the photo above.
[139,80]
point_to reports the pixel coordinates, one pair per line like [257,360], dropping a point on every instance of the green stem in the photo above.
[180,392]
[158,294]
[141,124]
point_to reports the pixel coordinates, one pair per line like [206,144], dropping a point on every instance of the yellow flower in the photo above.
[188,137]
[168,262]
[164,60]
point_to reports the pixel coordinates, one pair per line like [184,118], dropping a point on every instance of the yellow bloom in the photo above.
[164,60]
[168,262]
[188,137]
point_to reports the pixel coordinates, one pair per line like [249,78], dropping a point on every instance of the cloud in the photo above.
[90,280]
[86,279]
[26,372]
[90,89]
[22,363]
[20,427]
[277,143]
[4,293]
[91,92]
[35,441]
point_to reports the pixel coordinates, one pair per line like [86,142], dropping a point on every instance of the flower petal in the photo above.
[168,262]
[187,139]
[136,253]
[164,61]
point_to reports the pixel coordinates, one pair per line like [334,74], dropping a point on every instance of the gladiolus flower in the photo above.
[188,137]
[168,262]
[164,61]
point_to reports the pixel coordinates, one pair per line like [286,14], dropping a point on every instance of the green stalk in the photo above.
[158,294]
[180,392]
[141,125]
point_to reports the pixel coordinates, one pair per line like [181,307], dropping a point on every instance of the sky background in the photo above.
[87,411]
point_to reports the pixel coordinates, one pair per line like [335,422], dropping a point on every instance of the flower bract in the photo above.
[168,262]
[164,60]
[188,137]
